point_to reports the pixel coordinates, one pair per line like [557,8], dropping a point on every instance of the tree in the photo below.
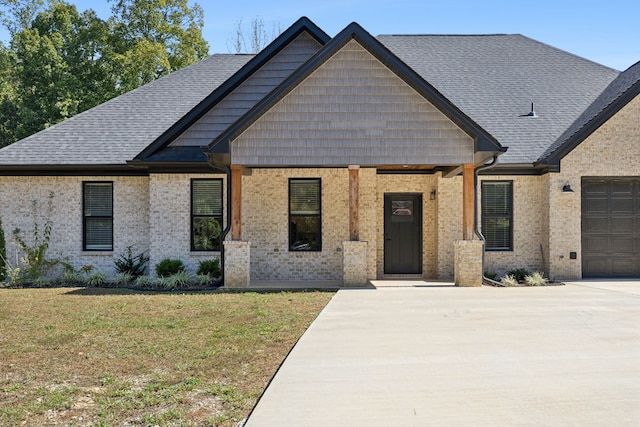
[155,37]
[254,38]
[59,68]
[18,14]
[61,62]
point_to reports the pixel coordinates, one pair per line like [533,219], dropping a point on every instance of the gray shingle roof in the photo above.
[495,78]
[625,83]
[117,130]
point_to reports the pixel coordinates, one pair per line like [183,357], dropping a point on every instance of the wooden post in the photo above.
[354,204]
[468,201]
[236,202]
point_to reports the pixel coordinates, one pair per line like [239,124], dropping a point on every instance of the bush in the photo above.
[519,274]
[96,279]
[210,267]
[35,262]
[509,280]
[202,280]
[146,282]
[133,265]
[168,267]
[123,279]
[535,279]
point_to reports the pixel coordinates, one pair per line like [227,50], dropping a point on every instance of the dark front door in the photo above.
[402,233]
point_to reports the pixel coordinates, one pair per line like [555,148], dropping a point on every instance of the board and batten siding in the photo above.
[352,110]
[245,96]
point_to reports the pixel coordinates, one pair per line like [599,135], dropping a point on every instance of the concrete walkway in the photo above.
[445,356]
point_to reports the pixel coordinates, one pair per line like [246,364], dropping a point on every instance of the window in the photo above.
[305,232]
[497,215]
[206,214]
[97,208]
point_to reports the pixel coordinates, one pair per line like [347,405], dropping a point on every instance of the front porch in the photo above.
[355,234]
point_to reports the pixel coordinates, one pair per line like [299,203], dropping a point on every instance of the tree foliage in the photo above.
[61,62]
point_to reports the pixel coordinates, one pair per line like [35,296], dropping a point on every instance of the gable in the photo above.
[352,110]
[245,96]
[622,91]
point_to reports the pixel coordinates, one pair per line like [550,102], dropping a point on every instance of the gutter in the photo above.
[227,171]
[479,234]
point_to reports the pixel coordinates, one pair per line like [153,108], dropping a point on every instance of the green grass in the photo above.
[107,357]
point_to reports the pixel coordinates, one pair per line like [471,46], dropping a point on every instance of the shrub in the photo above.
[202,280]
[509,280]
[71,277]
[179,280]
[133,265]
[210,267]
[123,279]
[146,282]
[519,274]
[535,279]
[35,261]
[96,279]
[168,267]
[3,254]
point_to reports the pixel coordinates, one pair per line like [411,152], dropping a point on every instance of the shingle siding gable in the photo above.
[249,92]
[352,110]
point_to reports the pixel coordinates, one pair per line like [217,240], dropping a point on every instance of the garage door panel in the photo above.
[594,267]
[595,245]
[594,188]
[622,225]
[623,267]
[595,225]
[622,245]
[618,188]
[620,206]
[611,227]
[597,206]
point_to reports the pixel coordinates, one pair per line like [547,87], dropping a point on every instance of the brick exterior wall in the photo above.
[530,225]
[170,219]
[265,223]
[449,223]
[612,150]
[130,216]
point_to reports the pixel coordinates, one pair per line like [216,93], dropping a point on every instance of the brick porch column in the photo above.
[468,252]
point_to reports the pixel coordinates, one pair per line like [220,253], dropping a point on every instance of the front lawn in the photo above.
[109,357]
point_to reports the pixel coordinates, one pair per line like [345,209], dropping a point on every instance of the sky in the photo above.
[607,32]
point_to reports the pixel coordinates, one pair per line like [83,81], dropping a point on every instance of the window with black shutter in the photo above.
[305,222]
[97,208]
[497,215]
[206,214]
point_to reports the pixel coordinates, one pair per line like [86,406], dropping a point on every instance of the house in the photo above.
[349,159]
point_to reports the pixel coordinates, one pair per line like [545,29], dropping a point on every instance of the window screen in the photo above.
[305,222]
[206,214]
[98,216]
[497,214]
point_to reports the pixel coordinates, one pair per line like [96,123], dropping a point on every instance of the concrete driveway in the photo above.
[434,356]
